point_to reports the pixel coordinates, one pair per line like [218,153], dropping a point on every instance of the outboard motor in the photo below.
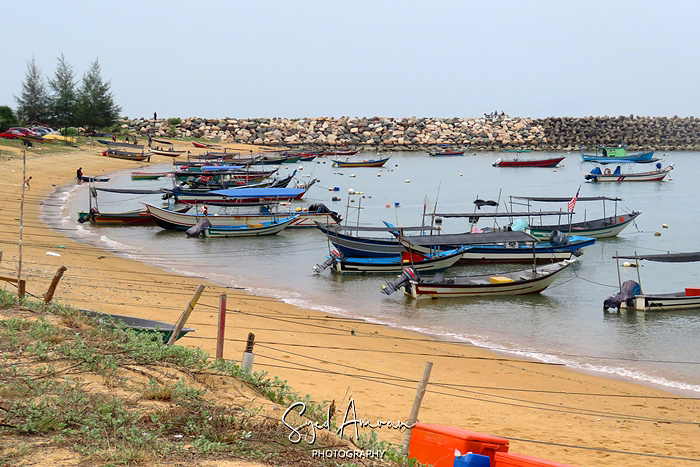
[557,238]
[332,258]
[321,208]
[408,274]
[198,228]
[628,290]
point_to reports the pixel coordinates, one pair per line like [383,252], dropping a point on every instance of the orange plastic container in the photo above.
[692,291]
[508,459]
[436,444]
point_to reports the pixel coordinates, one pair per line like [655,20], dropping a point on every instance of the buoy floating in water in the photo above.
[388,205]
[352,175]
[627,264]
[665,226]
[396,204]
[657,234]
[407,181]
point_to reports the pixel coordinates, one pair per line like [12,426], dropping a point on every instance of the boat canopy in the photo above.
[469,238]
[221,167]
[567,199]
[667,257]
[259,192]
[500,214]
[350,228]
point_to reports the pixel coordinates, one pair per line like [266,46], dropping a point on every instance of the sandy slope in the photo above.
[334,359]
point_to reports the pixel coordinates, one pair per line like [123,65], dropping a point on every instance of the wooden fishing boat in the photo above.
[148,175]
[304,217]
[524,281]
[120,145]
[272,227]
[523,158]
[197,144]
[606,226]
[446,152]
[364,163]
[167,152]
[439,261]
[161,141]
[135,217]
[237,195]
[337,153]
[86,178]
[607,175]
[129,156]
[141,325]
[605,154]
[631,296]
[307,158]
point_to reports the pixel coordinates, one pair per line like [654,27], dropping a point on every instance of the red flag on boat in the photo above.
[572,203]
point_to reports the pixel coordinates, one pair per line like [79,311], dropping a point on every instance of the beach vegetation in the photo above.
[114,396]
[8,119]
[174,121]
[34,102]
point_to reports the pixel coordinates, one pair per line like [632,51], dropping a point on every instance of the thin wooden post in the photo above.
[248,357]
[21,222]
[54,283]
[21,288]
[185,315]
[222,327]
[420,392]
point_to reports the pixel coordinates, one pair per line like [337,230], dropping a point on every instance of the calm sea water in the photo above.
[565,324]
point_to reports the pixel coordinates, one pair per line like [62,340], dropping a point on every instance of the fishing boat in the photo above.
[524,281]
[606,226]
[85,178]
[524,158]
[364,163]
[631,296]
[120,145]
[304,217]
[338,153]
[148,175]
[141,325]
[439,261]
[167,152]
[604,154]
[448,152]
[617,175]
[351,245]
[271,227]
[197,144]
[237,195]
[126,155]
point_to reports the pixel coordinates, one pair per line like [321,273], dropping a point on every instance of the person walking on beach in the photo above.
[26,183]
[79,174]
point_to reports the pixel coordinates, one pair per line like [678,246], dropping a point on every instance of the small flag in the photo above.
[572,203]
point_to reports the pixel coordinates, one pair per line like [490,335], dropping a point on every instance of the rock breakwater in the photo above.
[385,133]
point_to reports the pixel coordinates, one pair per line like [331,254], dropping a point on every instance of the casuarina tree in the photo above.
[34,102]
[64,98]
[96,107]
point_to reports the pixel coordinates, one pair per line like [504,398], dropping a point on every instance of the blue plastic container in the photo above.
[472,460]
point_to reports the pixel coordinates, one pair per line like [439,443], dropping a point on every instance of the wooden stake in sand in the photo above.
[54,283]
[21,219]
[222,327]
[248,357]
[185,315]
[420,392]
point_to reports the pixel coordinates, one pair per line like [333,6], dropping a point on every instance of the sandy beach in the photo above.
[546,411]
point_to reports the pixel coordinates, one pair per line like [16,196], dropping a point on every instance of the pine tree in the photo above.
[64,98]
[96,107]
[34,103]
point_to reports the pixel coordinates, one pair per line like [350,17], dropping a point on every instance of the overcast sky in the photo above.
[292,58]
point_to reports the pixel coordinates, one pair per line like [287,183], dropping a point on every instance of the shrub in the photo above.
[174,121]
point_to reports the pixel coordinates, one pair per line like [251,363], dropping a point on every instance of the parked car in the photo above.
[13,132]
[42,130]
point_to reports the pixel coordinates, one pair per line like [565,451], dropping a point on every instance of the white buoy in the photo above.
[351,191]
[352,175]
[460,175]
[665,226]
[657,234]
[407,181]
[379,175]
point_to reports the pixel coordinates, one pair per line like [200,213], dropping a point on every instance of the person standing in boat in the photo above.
[205,210]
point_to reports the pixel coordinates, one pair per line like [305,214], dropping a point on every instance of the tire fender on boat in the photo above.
[607,171]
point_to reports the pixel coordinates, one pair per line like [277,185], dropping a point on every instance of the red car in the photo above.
[13,132]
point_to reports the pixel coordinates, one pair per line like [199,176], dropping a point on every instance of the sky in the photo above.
[437,58]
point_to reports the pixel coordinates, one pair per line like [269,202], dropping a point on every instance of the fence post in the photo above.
[54,283]
[248,357]
[185,315]
[420,392]
[222,327]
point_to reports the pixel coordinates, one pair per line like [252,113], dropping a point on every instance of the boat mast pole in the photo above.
[639,276]
[617,263]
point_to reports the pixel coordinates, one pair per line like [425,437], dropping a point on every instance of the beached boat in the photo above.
[197,144]
[141,325]
[363,163]
[304,217]
[126,155]
[617,175]
[605,154]
[167,152]
[271,227]
[606,226]
[439,261]
[631,295]
[120,145]
[85,178]
[135,217]
[524,281]
[148,175]
[524,158]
